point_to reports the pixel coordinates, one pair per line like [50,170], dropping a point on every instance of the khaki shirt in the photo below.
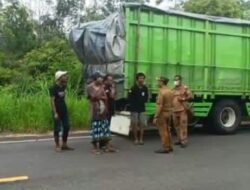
[181,95]
[165,99]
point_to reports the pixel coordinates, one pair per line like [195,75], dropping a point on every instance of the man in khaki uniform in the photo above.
[163,115]
[181,97]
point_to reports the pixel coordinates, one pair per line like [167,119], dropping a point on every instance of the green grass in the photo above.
[32,112]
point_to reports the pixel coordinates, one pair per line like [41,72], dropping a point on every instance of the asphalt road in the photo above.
[209,163]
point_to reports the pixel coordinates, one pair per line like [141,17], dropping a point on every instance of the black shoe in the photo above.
[183,145]
[177,143]
[162,151]
[171,150]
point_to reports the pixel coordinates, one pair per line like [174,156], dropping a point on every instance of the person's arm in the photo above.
[113,91]
[131,95]
[52,102]
[188,94]
[171,100]
[158,107]
[91,94]
[146,95]
[104,95]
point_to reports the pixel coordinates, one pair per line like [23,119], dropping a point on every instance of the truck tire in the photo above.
[226,117]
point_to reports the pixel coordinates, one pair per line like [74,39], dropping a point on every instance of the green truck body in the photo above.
[212,57]
[212,54]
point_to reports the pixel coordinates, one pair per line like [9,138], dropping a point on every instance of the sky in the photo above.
[40,7]
[165,3]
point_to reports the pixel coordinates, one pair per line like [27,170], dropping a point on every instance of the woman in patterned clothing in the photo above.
[99,121]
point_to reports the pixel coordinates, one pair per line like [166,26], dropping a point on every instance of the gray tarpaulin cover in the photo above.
[100,45]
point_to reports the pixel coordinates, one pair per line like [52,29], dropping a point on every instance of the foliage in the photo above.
[41,63]
[16,31]
[7,76]
[47,29]
[159,1]
[226,8]
[245,5]
[32,113]
[24,103]
[70,11]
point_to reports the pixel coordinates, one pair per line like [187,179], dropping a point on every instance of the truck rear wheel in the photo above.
[226,117]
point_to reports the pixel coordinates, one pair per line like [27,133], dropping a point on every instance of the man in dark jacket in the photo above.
[138,96]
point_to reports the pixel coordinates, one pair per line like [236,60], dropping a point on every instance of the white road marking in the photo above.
[42,140]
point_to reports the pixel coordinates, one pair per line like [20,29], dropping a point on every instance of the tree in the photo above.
[159,1]
[47,28]
[135,1]
[245,5]
[42,62]
[226,8]
[16,31]
[69,9]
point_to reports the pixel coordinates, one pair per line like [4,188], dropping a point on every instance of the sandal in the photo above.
[67,148]
[141,143]
[96,152]
[58,149]
[136,142]
[110,150]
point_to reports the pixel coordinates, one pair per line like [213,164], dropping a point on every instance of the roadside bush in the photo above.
[32,113]
[54,55]
[25,102]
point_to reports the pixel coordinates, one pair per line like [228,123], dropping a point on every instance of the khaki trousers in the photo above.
[181,125]
[164,130]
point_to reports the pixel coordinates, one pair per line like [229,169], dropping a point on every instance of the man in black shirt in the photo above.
[59,108]
[138,96]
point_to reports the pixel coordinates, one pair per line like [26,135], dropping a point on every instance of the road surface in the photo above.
[210,162]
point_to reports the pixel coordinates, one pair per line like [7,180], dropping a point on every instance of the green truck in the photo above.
[211,53]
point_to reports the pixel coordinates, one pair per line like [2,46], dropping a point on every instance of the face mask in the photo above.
[177,83]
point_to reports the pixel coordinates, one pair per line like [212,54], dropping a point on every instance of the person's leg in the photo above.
[108,143]
[96,149]
[165,135]
[95,136]
[57,128]
[65,124]
[103,133]
[106,138]
[169,134]
[183,128]
[102,144]
[134,124]
[95,146]
[176,119]
[142,121]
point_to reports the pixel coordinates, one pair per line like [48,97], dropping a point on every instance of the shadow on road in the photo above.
[200,131]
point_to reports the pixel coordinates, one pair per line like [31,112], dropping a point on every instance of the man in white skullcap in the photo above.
[59,109]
